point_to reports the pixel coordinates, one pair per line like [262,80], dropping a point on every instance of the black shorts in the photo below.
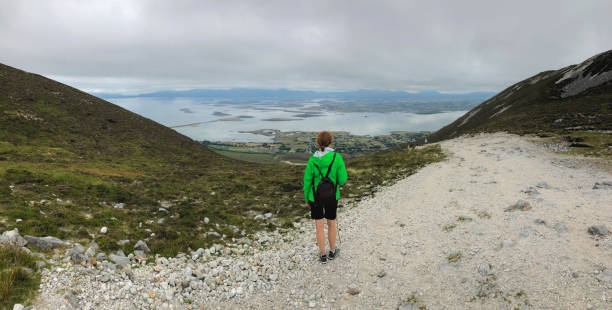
[318,212]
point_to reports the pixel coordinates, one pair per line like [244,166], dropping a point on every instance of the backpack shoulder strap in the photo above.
[330,165]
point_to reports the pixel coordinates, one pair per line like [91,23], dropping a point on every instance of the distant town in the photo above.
[298,145]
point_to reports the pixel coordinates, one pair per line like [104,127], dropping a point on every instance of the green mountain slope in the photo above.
[578,97]
[71,163]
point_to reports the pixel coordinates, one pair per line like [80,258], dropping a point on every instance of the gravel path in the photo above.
[502,224]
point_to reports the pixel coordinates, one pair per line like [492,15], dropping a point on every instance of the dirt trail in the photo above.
[441,238]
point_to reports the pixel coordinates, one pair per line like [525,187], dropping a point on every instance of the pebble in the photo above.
[605,276]
[603,185]
[408,306]
[560,228]
[520,205]
[484,269]
[598,230]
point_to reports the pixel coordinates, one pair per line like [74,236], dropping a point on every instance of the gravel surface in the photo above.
[502,224]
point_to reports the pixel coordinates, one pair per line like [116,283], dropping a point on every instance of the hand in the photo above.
[308,205]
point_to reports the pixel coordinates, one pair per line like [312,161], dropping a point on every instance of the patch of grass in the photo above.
[262,158]
[585,143]
[463,218]
[412,299]
[454,257]
[484,214]
[18,278]
[449,227]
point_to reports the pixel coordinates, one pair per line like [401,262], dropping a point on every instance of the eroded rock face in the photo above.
[593,72]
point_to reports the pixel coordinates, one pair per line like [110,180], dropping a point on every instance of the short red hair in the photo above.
[324,139]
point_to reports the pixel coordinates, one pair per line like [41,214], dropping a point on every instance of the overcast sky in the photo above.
[140,46]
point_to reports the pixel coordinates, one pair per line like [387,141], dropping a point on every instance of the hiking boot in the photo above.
[323,259]
[332,255]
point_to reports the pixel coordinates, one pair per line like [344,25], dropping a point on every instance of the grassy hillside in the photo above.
[577,97]
[71,163]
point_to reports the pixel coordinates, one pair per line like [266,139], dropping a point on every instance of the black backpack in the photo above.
[326,189]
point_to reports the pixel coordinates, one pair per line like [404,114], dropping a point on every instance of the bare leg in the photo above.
[331,234]
[320,229]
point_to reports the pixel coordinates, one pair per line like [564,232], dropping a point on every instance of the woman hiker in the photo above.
[325,172]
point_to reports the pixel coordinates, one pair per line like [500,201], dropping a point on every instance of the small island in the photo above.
[281,119]
[186,110]
[306,115]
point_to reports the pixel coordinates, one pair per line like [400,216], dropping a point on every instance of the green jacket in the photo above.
[337,174]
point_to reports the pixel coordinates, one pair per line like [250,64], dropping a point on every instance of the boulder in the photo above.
[78,248]
[76,254]
[91,251]
[45,243]
[12,237]
[77,258]
[142,246]
[119,260]
[100,257]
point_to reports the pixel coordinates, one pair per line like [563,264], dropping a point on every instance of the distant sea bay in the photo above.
[229,121]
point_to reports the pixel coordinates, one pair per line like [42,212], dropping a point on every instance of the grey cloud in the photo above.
[136,46]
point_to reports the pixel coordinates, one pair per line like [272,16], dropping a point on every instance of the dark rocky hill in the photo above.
[577,97]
